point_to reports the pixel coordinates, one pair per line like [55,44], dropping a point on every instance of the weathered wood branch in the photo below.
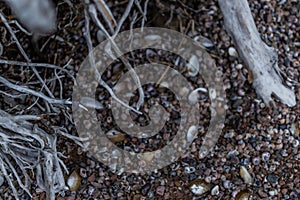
[260,58]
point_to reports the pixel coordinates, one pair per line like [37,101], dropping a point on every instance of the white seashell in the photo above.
[232,52]
[91,103]
[245,175]
[205,42]
[239,66]
[74,181]
[199,187]
[193,66]
[164,84]
[215,191]
[194,96]
[192,133]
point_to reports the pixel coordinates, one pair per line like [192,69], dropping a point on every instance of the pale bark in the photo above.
[260,58]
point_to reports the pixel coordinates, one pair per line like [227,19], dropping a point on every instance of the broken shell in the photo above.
[194,95]
[193,66]
[74,181]
[245,175]
[192,133]
[232,52]
[215,191]
[242,195]
[205,42]
[199,187]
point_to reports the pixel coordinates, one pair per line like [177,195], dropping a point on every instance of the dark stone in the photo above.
[272,178]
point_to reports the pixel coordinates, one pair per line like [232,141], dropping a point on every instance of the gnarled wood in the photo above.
[260,58]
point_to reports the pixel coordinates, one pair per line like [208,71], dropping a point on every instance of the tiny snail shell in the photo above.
[74,181]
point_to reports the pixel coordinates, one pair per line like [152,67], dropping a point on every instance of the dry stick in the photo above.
[32,92]
[23,52]
[119,53]
[16,174]
[123,18]
[145,14]
[137,3]
[260,58]
[37,65]
[20,27]
[106,13]
[60,85]
[92,62]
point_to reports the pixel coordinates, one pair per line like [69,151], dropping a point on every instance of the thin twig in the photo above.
[38,65]
[123,18]
[92,62]
[132,72]
[145,14]
[23,52]
[32,92]
[106,13]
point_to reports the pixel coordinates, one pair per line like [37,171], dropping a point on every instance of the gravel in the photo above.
[263,141]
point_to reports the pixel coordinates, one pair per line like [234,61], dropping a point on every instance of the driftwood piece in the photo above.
[260,58]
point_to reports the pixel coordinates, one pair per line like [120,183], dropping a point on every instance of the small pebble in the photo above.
[272,178]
